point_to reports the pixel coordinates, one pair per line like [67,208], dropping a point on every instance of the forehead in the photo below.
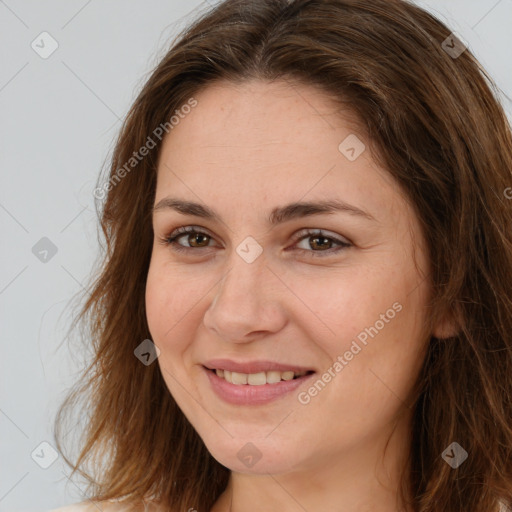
[262,113]
[260,140]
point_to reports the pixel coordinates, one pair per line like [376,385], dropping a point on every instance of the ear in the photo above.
[447,326]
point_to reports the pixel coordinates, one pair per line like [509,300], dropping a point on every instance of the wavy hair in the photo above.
[435,123]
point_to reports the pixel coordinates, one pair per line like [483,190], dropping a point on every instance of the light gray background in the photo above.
[58,120]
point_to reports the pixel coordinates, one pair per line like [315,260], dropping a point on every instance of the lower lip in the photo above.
[246,394]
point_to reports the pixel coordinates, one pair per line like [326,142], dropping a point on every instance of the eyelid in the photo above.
[308,232]
[183,230]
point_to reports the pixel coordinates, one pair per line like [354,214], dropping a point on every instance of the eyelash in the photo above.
[171,240]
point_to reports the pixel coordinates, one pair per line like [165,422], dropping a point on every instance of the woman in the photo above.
[306,297]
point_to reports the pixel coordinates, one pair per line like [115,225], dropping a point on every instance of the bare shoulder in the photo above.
[111,506]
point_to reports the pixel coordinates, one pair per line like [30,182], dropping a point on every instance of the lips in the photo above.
[255,382]
[246,394]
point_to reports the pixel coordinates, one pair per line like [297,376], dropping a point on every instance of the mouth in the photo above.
[260,383]
[258,378]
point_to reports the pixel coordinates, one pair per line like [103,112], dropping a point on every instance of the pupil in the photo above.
[325,240]
[197,239]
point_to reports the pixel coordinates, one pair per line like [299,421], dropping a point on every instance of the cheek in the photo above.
[170,297]
[373,321]
[158,296]
[343,302]
[164,308]
[169,311]
[174,309]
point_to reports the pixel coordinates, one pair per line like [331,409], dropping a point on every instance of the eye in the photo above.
[192,235]
[320,244]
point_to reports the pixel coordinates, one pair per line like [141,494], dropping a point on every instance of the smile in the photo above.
[258,379]
[255,388]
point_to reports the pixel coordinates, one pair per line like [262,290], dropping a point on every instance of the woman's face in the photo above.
[257,288]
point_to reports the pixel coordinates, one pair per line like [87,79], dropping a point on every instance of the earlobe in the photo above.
[447,326]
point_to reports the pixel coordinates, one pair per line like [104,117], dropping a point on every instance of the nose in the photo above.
[247,303]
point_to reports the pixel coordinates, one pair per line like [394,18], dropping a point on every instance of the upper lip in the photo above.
[252,366]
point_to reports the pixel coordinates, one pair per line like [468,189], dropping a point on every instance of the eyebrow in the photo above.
[277,215]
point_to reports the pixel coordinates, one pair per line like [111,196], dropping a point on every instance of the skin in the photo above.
[242,151]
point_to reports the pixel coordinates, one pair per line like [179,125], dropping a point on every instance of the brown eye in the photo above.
[320,242]
[198,240]
[195,239]
[317,243]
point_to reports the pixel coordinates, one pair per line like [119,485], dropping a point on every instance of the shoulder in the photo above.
[109,506]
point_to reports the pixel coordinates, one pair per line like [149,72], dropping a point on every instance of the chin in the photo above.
[258,456]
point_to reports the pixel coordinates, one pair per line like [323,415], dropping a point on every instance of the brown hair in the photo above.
[434,122]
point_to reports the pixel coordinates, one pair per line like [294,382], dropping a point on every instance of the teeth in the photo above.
[257,379]
[239,378]
[273,377]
